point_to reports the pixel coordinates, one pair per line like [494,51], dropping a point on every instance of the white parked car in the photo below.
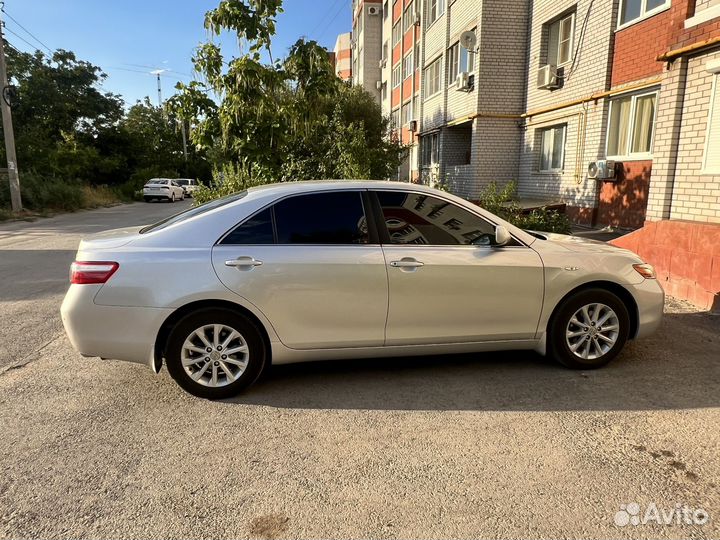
[188,184]
[327,270]
[163,189]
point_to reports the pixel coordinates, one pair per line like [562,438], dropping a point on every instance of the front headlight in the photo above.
[645,270]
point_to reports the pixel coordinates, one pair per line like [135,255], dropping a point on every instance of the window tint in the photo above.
[256,230]
[416,218]
[322,218]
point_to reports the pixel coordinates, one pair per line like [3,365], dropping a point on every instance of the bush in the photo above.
[47,193]
[229,179]
[503,203]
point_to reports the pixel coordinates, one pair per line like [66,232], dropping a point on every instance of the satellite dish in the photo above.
[468,40]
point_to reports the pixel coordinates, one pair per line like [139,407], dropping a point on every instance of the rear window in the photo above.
[192,212]
[157,181]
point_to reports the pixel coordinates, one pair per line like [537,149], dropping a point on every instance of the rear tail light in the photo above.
[645,270]
[97,272]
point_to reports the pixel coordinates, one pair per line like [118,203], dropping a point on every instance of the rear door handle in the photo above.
[407,262]
[243,263]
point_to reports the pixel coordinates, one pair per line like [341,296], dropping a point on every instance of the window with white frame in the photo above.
[407,66]
[552,148]
[459,60]
[633,10]
[631,125]
[396,76]
[396,33]
[560,40]
[433,74]
[429,149]
[711,160]
[395,119]
[408,18]
[406,113]
[435,10]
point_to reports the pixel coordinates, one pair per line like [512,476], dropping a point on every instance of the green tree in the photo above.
[282,120]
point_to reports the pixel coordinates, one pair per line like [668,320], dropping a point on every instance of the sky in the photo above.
[130,38]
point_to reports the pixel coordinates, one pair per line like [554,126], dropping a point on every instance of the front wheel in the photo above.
[589,329]
[172,198]
[215,353]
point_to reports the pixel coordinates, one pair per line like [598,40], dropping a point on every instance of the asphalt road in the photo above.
[491,445]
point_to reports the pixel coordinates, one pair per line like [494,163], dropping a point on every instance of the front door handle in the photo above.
[243,263]
[407,262]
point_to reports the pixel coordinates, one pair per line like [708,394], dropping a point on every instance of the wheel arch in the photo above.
[615,288]
[177,315]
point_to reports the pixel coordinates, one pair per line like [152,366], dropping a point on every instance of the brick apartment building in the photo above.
[342,57]
[552,86]
[367,45]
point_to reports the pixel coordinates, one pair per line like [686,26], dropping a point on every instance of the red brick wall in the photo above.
[623,203]
[686,256]
[637,46]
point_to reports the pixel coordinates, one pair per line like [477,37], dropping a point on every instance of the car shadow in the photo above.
[677,368]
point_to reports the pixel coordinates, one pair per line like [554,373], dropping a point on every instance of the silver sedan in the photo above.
[329,270]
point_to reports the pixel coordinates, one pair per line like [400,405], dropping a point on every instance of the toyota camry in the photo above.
[304,271]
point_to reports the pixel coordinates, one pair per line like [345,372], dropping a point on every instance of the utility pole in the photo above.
[159,91]
[15,199]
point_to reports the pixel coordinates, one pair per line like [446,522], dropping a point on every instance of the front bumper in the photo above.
[120,333]
[650,300]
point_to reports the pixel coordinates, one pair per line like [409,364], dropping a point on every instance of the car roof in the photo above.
[329,185]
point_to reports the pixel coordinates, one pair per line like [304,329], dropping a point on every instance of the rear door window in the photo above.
[256,230]
[322,218]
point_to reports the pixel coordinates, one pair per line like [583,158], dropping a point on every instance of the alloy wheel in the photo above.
[215,355]
[592,331]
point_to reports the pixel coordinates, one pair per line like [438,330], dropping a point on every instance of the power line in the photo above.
[329,24]
[33,47]
[156,67]
[13,19]
[322,20]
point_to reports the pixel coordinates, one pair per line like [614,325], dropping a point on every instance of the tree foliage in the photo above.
[280,120]
[68,129]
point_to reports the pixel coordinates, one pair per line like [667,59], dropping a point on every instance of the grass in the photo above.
[47,196]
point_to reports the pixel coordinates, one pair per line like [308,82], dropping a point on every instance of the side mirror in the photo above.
[502,236]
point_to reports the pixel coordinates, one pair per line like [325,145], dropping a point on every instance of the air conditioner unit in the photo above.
[413,126]
[373,10]
[463,81]
[379,85]
[602,169]
[547,78]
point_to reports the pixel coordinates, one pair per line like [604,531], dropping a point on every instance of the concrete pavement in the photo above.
[491,445]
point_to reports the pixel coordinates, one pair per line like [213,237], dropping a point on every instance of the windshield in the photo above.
[192,212]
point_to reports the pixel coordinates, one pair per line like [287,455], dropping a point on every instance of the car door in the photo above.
[447,282]
[311,264]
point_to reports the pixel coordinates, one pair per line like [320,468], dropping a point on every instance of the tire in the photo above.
[148,199]
[245,366]
[595,345]
[172,198]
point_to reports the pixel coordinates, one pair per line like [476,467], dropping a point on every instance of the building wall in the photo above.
[367,45]
[695,195]
[343,56]
[585,135]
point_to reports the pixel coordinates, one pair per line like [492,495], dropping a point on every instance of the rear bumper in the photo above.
[120,333]
[650,299]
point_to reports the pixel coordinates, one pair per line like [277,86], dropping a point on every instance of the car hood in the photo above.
[579,244]
[114,238]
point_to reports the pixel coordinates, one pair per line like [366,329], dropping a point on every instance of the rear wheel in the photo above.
[589,329]
[215,353]
[148,199]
